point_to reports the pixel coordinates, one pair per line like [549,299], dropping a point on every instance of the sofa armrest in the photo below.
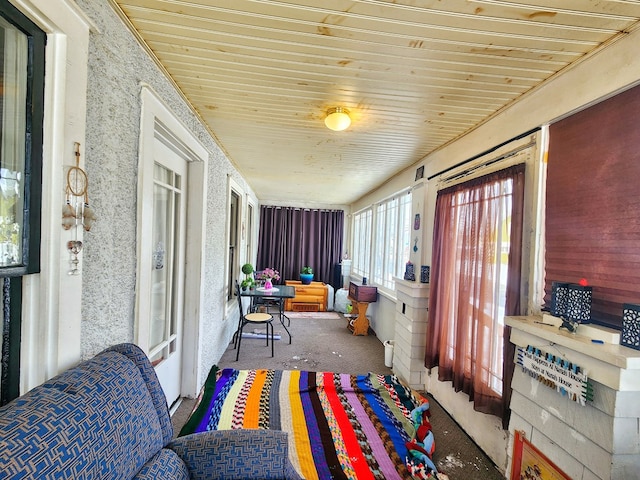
[236,454]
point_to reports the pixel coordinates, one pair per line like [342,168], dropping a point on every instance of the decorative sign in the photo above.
[531,463]
[556,372]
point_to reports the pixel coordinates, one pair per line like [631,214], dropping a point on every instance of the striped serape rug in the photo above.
[340,426]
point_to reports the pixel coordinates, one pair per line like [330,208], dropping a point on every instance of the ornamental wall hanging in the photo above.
[76,211]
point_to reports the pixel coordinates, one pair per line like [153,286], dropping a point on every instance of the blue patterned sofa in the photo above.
[107,418]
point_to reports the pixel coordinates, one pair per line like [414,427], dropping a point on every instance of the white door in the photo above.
[166,246]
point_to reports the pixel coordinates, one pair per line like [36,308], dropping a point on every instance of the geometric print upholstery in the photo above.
[236,450]
[96,420]
[107,418]
[140,359]
[166,465]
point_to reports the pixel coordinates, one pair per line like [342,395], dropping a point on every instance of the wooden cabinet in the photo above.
[363,293]
[309,298]
[361,296]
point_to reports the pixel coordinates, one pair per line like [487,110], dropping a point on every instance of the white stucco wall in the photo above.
[118,66]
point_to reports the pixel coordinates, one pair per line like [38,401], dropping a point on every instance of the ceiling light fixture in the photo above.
[337,119]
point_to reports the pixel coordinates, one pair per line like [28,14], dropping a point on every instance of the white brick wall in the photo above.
[598,441]
[412,308]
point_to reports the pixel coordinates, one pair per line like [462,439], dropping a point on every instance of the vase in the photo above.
[268,285]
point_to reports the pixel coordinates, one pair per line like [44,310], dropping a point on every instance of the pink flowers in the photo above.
[269,274]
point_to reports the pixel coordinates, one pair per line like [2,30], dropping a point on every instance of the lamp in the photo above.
[578,306]
[630,326]
[337,119]
[559,294]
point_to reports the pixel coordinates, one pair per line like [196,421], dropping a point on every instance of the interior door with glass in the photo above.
[166,284]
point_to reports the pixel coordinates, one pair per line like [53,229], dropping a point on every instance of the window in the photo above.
[391,246]
[381,240]
[22,54]
[362,243]
[475,276]
[233,265]
[249,233]
[21,85]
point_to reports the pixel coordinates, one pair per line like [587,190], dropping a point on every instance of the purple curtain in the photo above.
[460,334]
[291,238]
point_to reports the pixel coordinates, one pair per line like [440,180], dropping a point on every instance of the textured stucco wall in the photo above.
[117,67]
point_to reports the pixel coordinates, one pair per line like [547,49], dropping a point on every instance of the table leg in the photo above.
[360,326]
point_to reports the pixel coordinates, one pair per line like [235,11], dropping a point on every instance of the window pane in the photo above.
[404,241]
[13,85]
[379,244]
[382,240]
[362,243]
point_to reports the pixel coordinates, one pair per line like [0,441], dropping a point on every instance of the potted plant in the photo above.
[306,275]
[248,281]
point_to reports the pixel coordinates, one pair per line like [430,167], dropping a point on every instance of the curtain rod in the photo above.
[510,153]
[486,152]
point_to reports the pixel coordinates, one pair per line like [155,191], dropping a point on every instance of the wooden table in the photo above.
[359,326]
[361,296]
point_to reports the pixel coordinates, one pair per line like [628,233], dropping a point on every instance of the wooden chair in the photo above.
[256,318]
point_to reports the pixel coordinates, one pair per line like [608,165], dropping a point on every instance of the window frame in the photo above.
[34,110]
[12,285]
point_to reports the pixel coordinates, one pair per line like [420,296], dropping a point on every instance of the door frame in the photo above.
[157,119]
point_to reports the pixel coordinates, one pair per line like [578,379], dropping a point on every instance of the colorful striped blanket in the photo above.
[340,426]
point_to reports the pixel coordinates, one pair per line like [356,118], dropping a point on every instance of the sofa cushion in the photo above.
[96,420]
[139,358]
[235,454]
[166,465]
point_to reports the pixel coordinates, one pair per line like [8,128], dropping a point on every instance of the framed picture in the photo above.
[529,463]
[419,172]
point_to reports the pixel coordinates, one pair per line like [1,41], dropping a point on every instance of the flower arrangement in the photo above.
[269,274]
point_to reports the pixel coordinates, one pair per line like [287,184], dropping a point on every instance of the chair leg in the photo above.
[237,334]
[272,339]
[239,340]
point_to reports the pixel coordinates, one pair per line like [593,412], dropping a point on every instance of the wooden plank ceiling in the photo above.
[415,75]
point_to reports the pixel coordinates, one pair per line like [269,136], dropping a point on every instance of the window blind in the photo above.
[593,204]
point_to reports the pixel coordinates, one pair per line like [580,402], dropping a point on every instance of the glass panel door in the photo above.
[163,331]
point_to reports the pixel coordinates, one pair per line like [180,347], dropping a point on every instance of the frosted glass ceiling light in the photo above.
[337,119]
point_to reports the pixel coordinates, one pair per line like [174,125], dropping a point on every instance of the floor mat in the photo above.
[329,315]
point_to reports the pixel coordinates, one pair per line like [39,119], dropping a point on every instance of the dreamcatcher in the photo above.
[76,209]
